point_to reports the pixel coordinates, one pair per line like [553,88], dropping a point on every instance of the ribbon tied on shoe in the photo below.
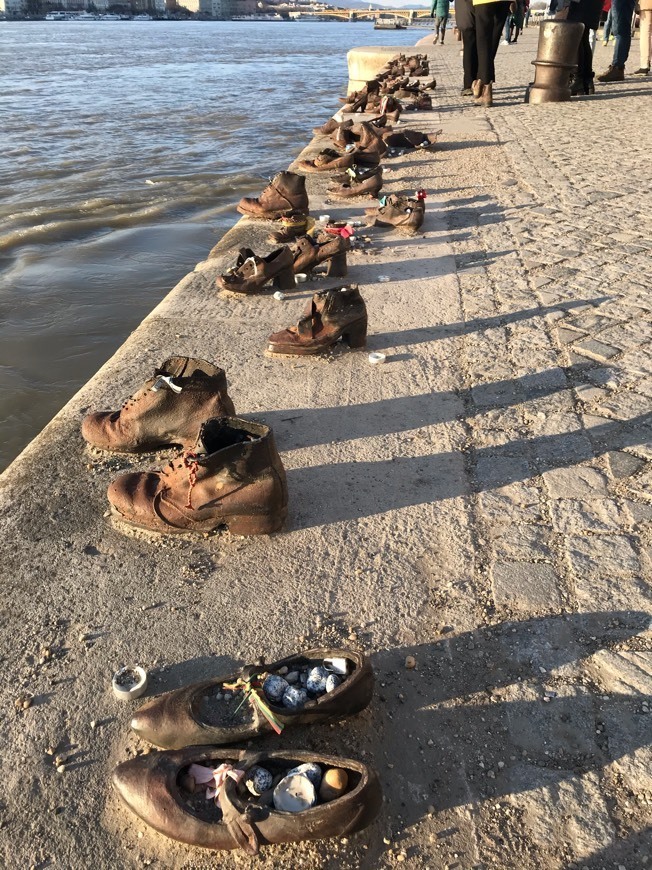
[165,381]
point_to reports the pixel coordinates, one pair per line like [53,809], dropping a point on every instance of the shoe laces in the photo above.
[189,461]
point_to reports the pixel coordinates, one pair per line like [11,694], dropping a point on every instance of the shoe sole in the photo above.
[240,526]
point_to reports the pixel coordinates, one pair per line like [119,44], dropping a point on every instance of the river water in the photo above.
[123,149]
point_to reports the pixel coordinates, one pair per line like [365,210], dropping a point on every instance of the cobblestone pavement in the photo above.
[482,503]
[548,210]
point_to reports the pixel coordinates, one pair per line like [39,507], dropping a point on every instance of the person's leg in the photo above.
[470,58]
[444,22]
[623,10]
[507,30]
[499,15]
[645,33]
[484,31]
[606,33]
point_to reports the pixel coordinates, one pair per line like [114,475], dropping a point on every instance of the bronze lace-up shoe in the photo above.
[329,316]
[251,273]
[232,477]
[186,716]
[285,193]
[403,213]
[160,788]
[327,160]
[168,409]
[369,187]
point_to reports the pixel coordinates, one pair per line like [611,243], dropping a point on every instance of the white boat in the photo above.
[389,22]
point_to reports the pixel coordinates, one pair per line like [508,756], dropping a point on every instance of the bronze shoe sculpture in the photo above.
[285,193]
[251,273]
[232,477]
[369,187]
[290,226]
[165,790]
[329,316]
[404,213]
[168,409]
[327,160]
[326,248]
[199,714]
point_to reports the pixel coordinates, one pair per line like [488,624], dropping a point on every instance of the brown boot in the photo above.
[160,788]
[329,316]
[233,477]
[487,96]
[326,248]
[326,128]
[251,272]
[613,74]
[168,409]
[476,87]
[403,213]
[285,193]
[369,187]
[327,160]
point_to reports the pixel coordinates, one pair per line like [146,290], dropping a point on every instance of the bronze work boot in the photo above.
[232,477]
[369,187]
[329,316]
[327,160]
[168,409]
[403,213]
[195,795]
[285,193]
[251,273]
[326,248]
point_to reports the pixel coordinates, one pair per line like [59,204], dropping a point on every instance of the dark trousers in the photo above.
[465,21]
[489,22]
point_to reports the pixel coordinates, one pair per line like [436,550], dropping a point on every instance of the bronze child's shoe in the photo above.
[329,316]
[251,272]
[211,797]
[326,248]
[369,187]
[210,711]
[285,193]
[327,160]
[168,409]
[232,477]
[403,213]
[290,226]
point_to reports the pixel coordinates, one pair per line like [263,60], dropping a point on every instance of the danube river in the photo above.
[124,146]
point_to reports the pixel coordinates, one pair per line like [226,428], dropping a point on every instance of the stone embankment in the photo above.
[482,502]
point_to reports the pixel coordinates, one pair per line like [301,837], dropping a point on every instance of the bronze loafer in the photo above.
[159,790]
[182,717]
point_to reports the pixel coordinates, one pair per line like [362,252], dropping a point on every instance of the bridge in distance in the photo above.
[346,14]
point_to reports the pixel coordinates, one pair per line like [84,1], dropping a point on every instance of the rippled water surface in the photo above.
[124,147]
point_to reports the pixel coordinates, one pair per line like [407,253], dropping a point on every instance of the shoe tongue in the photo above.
[217,434]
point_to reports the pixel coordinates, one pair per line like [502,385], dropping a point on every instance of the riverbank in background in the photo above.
[125,148]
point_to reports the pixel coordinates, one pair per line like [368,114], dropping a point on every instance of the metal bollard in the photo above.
[556,60]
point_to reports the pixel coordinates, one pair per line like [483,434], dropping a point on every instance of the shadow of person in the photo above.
[334,492]
[306,427]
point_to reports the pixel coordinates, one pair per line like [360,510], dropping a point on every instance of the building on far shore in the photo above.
[223,10]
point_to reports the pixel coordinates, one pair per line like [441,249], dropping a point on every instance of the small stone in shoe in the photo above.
[168,409]
[251,273]
[208,797]
[211,711]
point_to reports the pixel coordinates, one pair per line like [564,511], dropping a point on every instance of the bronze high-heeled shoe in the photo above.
[325,248]
[251,272]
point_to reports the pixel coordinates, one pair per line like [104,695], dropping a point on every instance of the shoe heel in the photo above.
[336,267]
[356,334]
[285,280]
[257,524]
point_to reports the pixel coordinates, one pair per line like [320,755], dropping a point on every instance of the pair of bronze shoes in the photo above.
[195,722]
[404,213]
[228,473]
[251,273]
[367,183]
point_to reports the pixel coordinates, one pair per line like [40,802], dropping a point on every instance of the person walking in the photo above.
[490,16]
[622,12]
[606,30]
[645,31]
[587,12]
[465,23]
[439,11]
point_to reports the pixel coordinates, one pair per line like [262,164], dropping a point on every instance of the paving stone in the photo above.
[576,483]
[518,541]
[494,471]
[525,586]
[602,555]
[623,464]
[596,349]
[624,672]
[572,517]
